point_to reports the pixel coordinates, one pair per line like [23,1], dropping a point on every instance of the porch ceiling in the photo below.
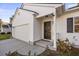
[39,16]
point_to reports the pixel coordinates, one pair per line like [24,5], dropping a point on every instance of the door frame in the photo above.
[43,29]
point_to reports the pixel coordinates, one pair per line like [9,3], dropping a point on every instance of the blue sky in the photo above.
[7,10]
[69,5]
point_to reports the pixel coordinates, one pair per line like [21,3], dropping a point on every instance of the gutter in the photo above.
[30,11]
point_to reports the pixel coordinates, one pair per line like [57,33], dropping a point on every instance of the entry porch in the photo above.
[44,31]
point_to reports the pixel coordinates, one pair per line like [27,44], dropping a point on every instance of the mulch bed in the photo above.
[48,52]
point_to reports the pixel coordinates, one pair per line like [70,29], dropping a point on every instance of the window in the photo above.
[76,24]
[73,24]
[70,25]
[70,5]
[5,26]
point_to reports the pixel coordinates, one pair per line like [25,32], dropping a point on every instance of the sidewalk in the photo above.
[19,46]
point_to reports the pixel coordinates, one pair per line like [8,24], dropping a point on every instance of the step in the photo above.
[44,43]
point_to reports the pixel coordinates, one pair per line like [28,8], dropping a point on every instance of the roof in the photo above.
[29,10]
[39,13]
[42,4]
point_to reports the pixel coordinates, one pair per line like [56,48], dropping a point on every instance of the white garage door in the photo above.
[22,32]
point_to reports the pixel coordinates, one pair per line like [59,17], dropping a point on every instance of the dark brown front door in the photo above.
[47,30]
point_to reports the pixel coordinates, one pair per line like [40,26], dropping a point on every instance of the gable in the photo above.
[22,17]
[42,9]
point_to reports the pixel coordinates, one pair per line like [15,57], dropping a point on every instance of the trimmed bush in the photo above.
[8,32]
[2,33]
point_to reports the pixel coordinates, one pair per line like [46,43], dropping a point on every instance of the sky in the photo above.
[7,10]
[69,5]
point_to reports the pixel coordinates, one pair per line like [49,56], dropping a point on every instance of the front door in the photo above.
[47,30]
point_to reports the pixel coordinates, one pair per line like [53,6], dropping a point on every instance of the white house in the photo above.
[43,24]
[5,27]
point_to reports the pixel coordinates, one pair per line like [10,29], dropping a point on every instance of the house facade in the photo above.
[5,27]
[67,25]
[43,24]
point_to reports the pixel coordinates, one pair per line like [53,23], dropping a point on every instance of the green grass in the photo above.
[4,36]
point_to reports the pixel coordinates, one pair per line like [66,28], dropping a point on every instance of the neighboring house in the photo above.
[5,27]
[45,23]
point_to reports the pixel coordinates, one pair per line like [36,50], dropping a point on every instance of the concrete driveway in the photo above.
[20,46]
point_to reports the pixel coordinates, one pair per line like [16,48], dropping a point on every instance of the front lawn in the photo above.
[4,36]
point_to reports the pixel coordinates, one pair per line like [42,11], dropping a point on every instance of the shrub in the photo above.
[64,47]
[2,33]
[8,32]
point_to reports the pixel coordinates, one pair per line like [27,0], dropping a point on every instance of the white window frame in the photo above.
[74,24]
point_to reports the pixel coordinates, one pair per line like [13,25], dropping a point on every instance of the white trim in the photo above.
[46,20]
[74,24]
[21,25]
[43,31]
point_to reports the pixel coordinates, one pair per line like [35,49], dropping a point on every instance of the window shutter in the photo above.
[69,25]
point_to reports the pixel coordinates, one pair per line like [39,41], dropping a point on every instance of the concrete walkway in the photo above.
[19,46]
